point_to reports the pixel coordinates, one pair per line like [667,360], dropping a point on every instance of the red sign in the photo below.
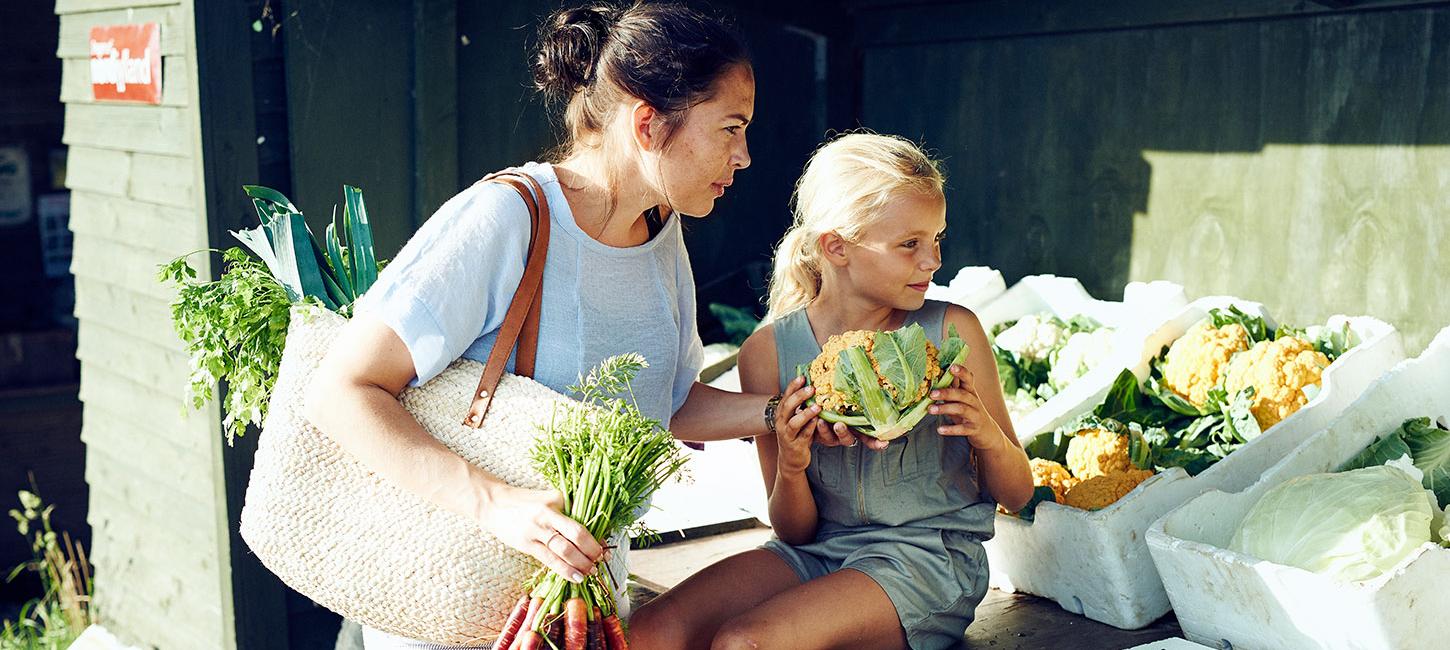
[126,63]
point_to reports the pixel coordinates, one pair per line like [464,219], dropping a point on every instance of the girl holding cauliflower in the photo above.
[879,545]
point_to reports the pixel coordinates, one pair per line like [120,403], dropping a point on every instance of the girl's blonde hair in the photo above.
[845,184]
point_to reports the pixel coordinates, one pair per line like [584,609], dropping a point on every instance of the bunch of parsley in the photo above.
[235,327]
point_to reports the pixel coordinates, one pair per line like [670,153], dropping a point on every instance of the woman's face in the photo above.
[893,259]
[708,147]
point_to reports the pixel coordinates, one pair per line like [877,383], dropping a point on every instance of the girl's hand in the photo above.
[840,435]
[964,410]
[795,428]
[531,522]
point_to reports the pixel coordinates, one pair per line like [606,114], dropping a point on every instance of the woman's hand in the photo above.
[795,428]
[964,410]
[531,522]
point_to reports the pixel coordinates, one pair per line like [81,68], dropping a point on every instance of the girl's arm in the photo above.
[983,418]
[353,399]
[785,454]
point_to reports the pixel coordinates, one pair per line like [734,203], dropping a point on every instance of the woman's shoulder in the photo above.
[491,205]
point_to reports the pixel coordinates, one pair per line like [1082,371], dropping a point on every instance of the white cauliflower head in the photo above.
[1032,337]
[1082,352]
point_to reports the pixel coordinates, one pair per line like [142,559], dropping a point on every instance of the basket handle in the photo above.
[521,321]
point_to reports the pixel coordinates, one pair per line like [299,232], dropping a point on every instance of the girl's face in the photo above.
[709,145]
[892,260]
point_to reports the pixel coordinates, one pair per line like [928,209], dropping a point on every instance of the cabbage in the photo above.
[1350,526]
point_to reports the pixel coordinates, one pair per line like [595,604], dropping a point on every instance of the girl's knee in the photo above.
[739,633]
[651,628]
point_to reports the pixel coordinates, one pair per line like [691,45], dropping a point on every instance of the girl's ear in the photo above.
[644,125]
[833,248]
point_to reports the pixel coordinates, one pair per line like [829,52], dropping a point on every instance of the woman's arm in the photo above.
[981,414]
[785,454]
[353,399]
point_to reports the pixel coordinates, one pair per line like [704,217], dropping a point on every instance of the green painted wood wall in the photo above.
[1281,152]
[154,465]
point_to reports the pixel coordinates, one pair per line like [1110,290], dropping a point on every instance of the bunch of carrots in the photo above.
[606,459]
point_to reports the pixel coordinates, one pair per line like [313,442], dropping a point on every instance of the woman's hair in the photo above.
[666,54]
[845,185]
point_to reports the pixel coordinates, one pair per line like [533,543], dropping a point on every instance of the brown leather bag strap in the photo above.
[521,321]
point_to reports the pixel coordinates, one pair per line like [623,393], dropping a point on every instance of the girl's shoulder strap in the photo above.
[932,318]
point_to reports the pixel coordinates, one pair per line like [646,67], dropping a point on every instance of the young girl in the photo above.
[874,548]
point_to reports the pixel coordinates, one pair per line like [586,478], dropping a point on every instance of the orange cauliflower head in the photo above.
[1053,475]
[1279,371]
[823,369]
[1197,361]
[1104,490]
[1096,451]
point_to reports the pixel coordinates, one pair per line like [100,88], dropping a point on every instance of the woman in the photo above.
[658,98]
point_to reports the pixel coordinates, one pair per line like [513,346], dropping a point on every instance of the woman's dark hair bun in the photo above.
[569,47]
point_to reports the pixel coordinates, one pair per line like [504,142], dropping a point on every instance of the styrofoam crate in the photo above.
[1034,294]
[1173,643]
[1227,599]
[1144,308]
[1096,563]
[972,287]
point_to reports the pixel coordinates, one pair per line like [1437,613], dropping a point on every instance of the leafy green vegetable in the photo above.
[1256,326]
[739,323]
[335,274]
[1240,422]
[1126,403]
[1378,452]
[1351,526]
[606,462]
[1040,495]
[901,357]
[1051,445]
[1430,448]
[1335,342]
[235,328]
[1427,445]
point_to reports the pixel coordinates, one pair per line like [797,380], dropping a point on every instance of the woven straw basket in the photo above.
[367,549]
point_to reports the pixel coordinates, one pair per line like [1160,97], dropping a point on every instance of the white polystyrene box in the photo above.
[1144,308]
[972,287]
[1096,563]
[1227,599]
[1035,294]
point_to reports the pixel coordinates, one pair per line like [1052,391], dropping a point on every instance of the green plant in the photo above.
[882,378]
[606,461]
[63,610]
[334,272]
[739,323]
[235,327]
[234,330]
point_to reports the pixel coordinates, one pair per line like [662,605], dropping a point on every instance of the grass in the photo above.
[54,619]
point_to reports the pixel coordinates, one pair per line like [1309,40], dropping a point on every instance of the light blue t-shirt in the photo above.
[446,292]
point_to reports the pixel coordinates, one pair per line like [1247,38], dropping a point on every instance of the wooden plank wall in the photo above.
[153,464]
[1284,152]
